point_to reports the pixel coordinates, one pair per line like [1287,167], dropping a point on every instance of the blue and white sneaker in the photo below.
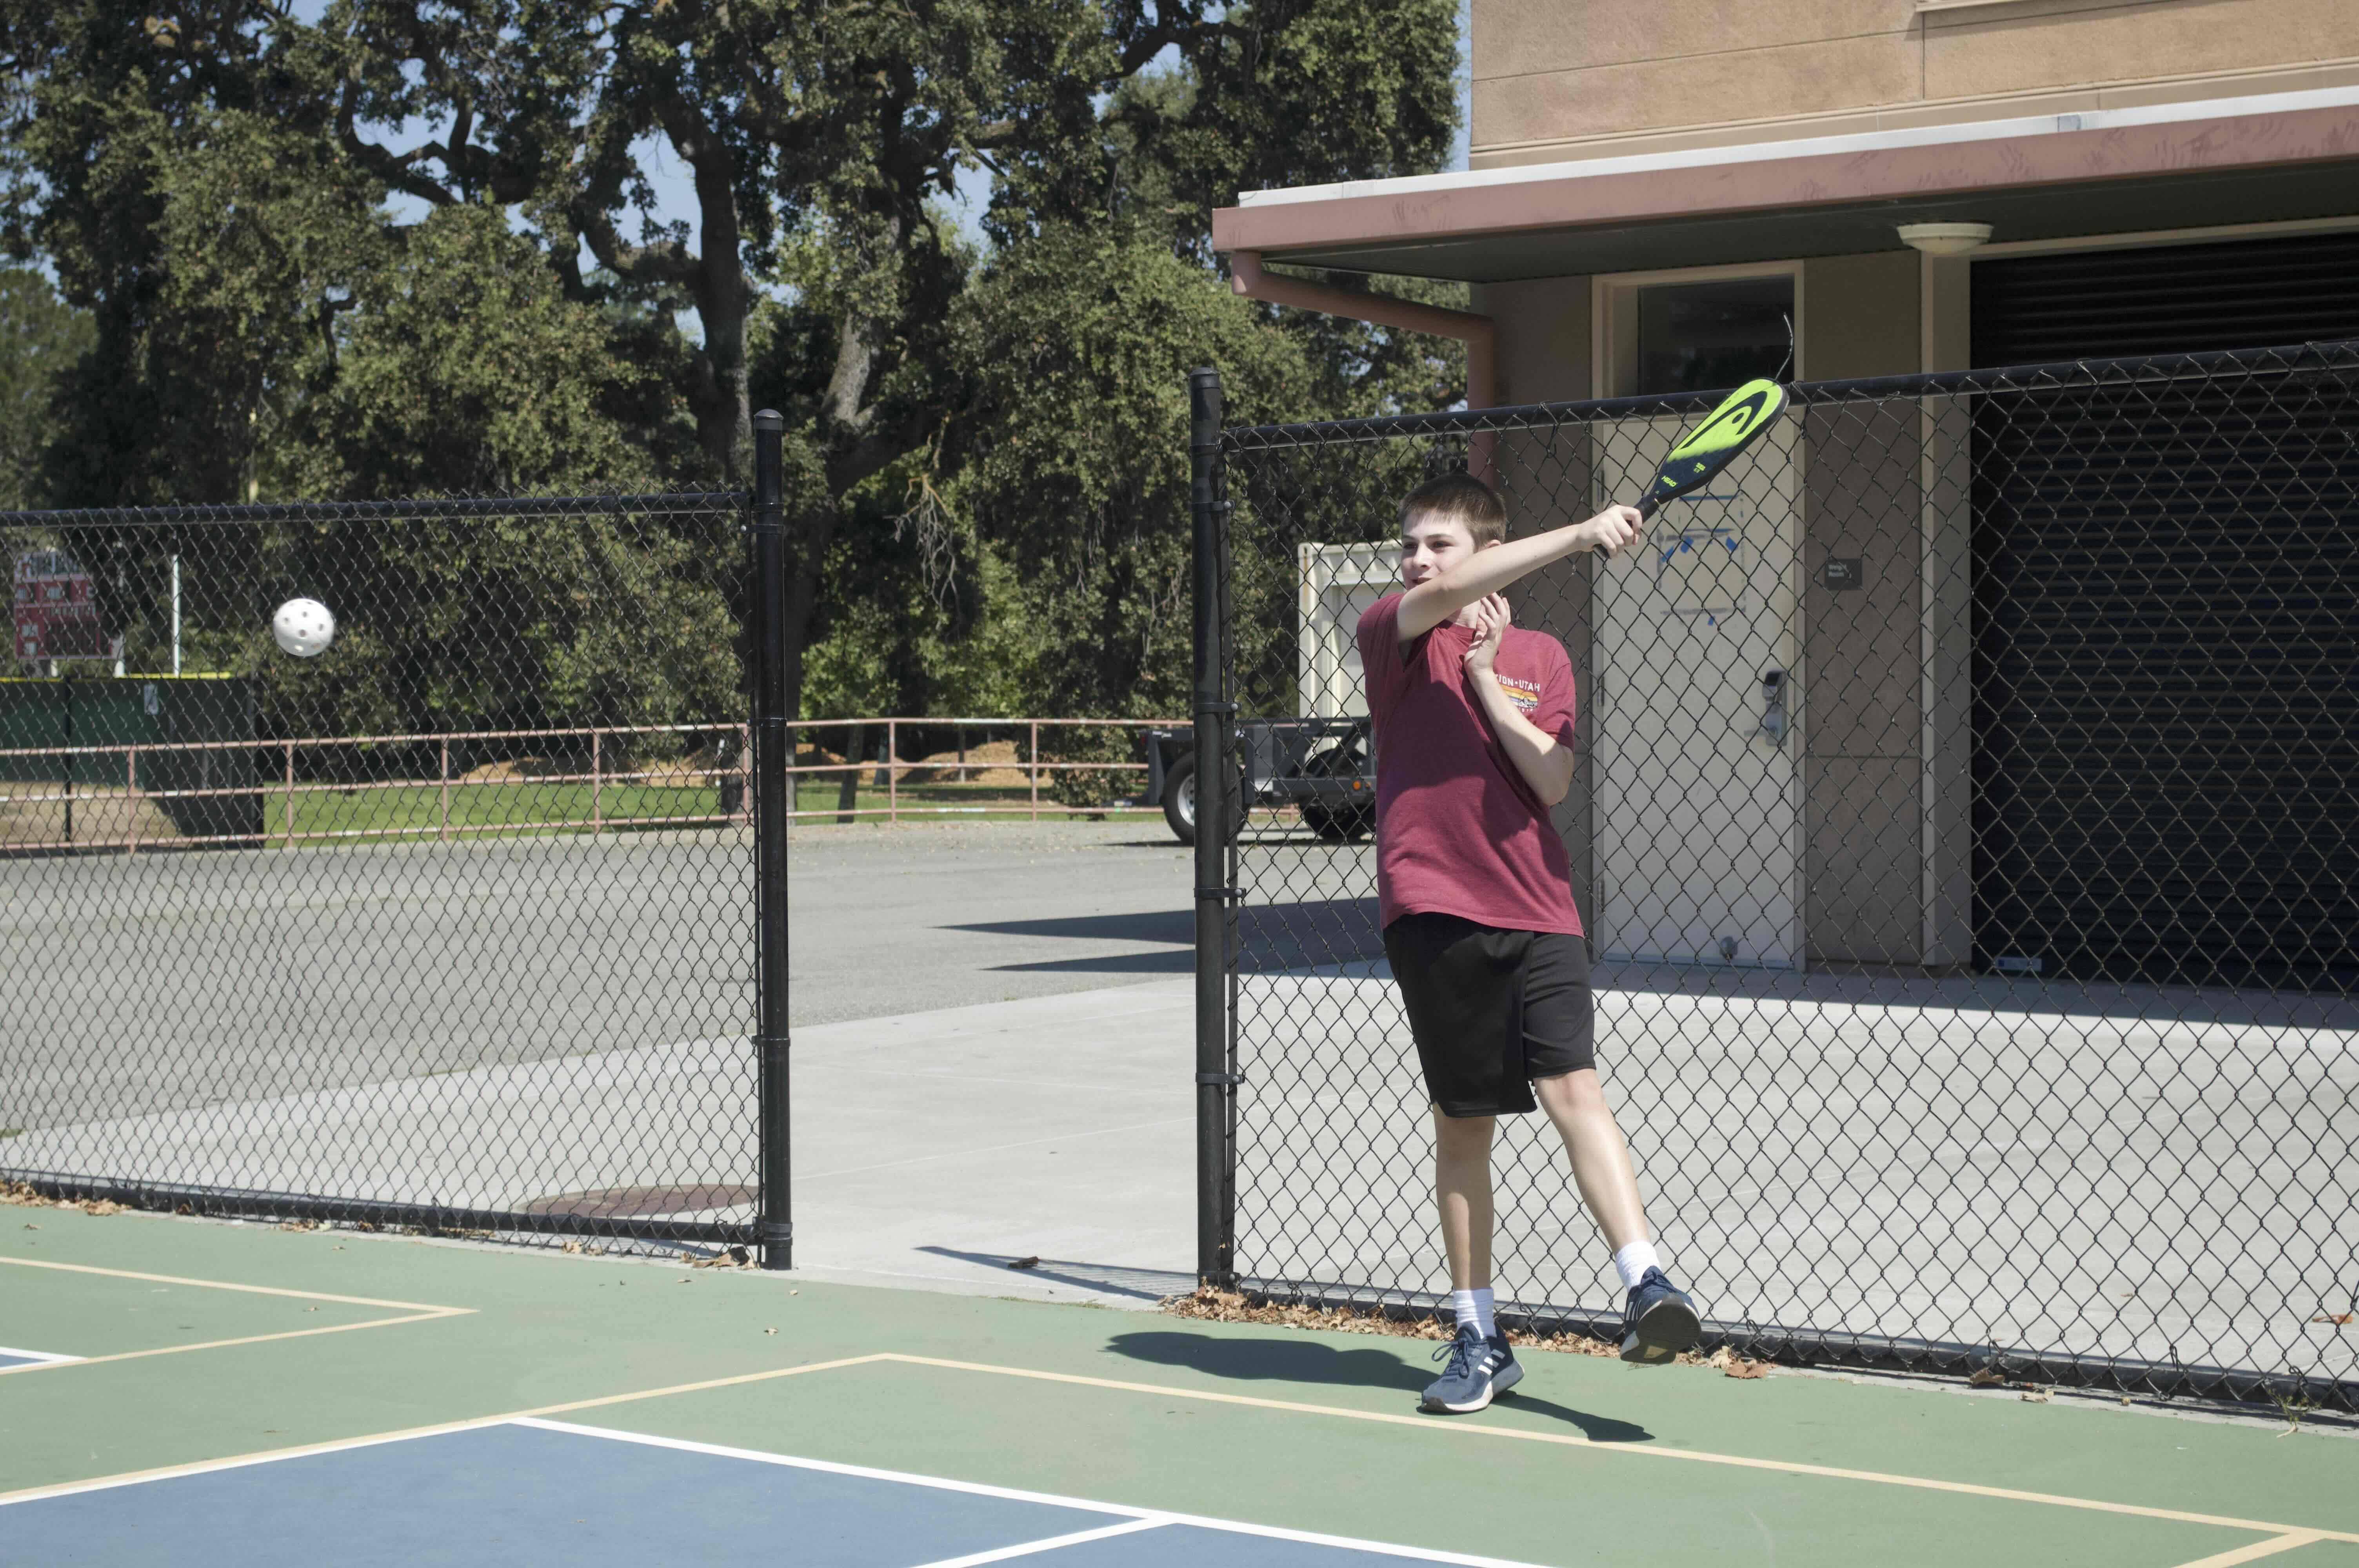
[1659,1320]
[1479,1370]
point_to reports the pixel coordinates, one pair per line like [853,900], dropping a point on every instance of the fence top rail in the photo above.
[2341,354]
[429,508]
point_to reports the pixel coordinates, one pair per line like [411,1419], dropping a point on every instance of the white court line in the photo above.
[2256,1549]
[980,1489]
[43,1356]
[1033,1548]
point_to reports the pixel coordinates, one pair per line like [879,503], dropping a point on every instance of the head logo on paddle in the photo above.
[1733,426]
[1706,450]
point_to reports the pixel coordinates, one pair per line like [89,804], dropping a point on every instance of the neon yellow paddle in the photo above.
[1727,430]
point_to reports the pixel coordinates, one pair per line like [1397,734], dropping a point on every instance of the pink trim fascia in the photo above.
[1572,200]
[1479,333]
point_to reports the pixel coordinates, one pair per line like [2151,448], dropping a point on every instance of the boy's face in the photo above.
[1430,546]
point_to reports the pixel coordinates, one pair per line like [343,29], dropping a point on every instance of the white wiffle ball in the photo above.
[303,627]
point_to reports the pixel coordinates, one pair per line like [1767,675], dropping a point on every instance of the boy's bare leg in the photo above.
[1462,1185]
[1575,1102]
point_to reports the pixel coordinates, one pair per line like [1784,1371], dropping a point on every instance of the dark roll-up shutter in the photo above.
[2174,300]
[2166,623]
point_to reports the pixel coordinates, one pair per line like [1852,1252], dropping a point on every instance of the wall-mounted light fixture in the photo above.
[1944,238]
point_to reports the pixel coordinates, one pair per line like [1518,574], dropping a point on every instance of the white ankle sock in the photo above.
[1475,1307]
[1632,1262]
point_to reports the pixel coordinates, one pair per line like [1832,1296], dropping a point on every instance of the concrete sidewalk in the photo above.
[929,1149]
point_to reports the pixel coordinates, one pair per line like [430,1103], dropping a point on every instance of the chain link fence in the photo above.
[450,926]
[1967,829]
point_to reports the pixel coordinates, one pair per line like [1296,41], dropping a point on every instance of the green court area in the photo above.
[585,1383]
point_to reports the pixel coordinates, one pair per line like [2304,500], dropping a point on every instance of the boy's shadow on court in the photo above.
[1293,1360]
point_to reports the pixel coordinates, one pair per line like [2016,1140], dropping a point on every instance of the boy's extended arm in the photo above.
[1494,567]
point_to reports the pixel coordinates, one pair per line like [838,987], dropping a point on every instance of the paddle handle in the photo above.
[1646,510]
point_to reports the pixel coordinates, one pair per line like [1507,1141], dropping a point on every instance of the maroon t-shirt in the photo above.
[1458,830]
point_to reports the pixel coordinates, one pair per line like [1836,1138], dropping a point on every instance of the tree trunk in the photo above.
[724,418]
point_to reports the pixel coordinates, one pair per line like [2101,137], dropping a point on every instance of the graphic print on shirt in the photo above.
[1524,694]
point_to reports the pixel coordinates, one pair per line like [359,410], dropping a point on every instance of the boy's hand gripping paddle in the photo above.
[1727,430]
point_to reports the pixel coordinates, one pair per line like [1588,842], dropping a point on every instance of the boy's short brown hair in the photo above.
[1459,498]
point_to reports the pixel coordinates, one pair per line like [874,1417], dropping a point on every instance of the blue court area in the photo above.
[12,1356]
[531,1493]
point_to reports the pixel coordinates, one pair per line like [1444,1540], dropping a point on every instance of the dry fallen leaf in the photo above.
[1026,1263]
[2034,1396]
[2340,1319]
[1736,1365]
[1983,1376]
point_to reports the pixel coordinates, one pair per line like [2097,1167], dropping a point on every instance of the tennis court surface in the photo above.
[177,1393]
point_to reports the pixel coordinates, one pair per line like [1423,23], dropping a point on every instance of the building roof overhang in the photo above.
[2214,162]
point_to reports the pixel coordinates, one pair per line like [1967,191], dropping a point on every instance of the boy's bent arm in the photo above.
[1545,761]
[1494,567]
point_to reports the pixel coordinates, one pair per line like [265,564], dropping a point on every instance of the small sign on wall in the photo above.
[1842,572]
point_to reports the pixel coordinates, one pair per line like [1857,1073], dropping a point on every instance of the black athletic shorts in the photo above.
[1491,1009]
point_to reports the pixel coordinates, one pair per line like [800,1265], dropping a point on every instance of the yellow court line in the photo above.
[225,1344]
[416,1312]
[225,1285]
[1792,1467]
[2282,1537]
[263,1456]
[2259,1549]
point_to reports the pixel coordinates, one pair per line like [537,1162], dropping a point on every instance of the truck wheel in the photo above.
[1180,799]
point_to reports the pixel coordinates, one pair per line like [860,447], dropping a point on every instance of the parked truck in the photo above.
[1324,768]
[1321,761]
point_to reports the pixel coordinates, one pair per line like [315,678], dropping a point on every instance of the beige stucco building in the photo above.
[2110,176]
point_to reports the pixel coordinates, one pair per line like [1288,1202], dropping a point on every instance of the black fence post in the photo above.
[1215,824]
[773,741]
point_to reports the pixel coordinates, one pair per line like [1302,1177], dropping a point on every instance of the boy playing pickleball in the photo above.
[1474,730]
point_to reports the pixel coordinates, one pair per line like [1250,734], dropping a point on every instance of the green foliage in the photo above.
[41,336]
[346,257]
[234,243]
[1073,467]
[465,370]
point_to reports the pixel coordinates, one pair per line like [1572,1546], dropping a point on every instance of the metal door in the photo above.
[1696,698]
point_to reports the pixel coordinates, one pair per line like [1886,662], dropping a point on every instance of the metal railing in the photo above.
[1034,770]
[279,785]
